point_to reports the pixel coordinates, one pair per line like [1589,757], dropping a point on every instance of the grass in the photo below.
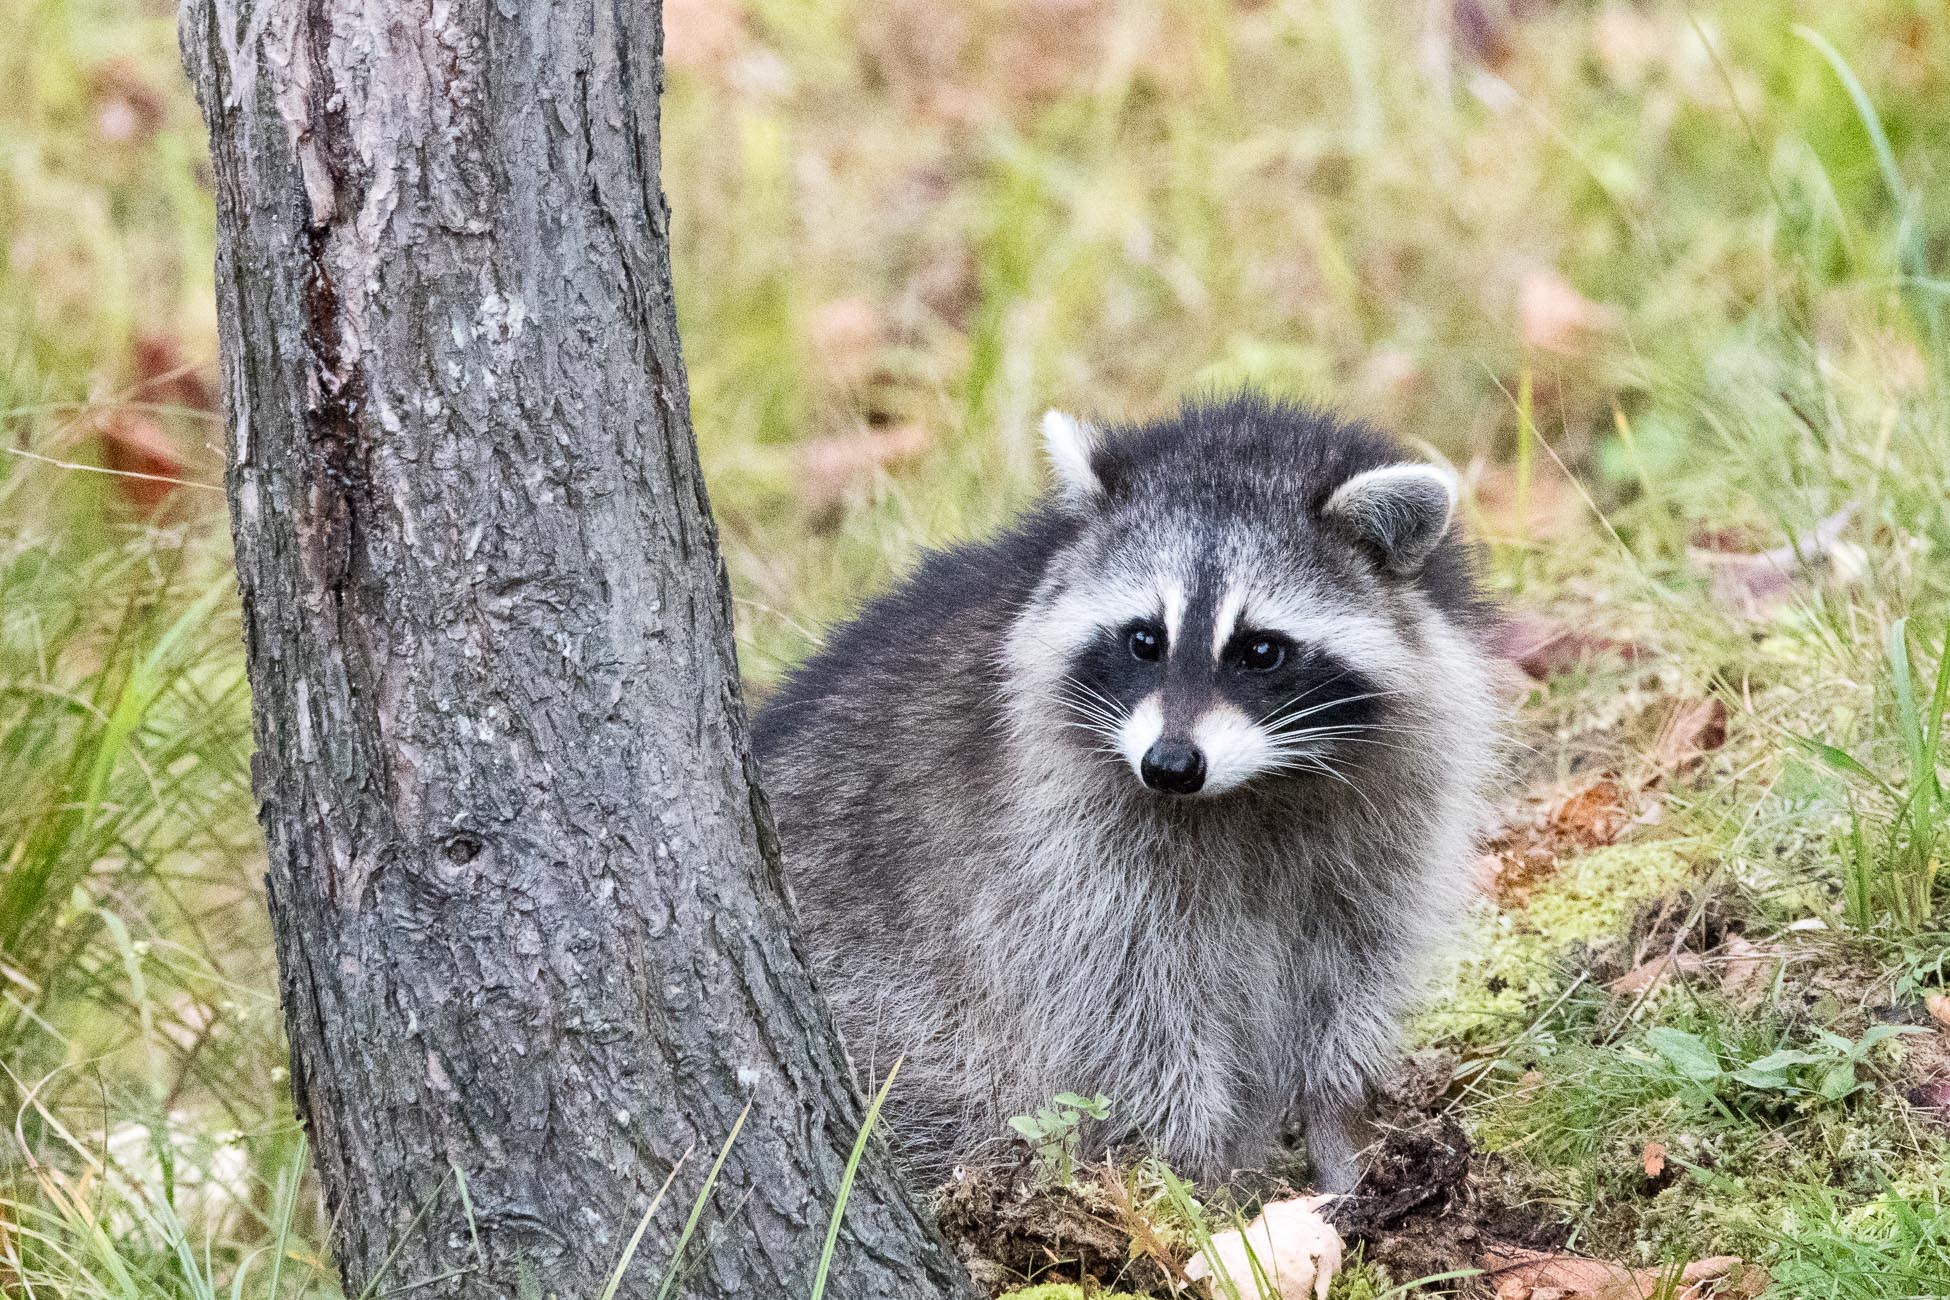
[1666,282]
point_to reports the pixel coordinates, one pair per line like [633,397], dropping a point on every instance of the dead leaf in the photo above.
[142,455]
[847,337]
[1528,848]
[1934,1095]
[830,469]
[1654,1159]
[129,107]
[1756,584]
[1534,1275]
[1545,508]
[702,34]
[1296,1248]
[1482,30]
[1545,647]
[1695,728]
[1648,975]
[1554,317]
[1938,1005]
[1594,815]
[1746,968]
[162,374]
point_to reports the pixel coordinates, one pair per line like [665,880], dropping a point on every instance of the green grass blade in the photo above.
[846,1184]
[697,1206]
[642,1226]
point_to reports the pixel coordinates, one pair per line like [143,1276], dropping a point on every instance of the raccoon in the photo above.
[1165,793]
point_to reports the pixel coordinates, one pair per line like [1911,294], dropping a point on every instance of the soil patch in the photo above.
[1013,1225]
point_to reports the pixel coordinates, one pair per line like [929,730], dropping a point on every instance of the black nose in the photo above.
[1174,766]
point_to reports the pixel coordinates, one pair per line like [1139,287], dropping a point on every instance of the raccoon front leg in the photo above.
[1336,1131]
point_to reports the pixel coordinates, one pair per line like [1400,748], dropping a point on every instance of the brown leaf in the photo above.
[129,107]
[702,34]
[142,455]
[1547,507]
[1938,1006]
[1528,848]
[1533,1275]
[1595,814]
[847,337]
[831,469]
[1648,975]
[1746,968]
[1756,584]
[1544,647]
[1654,1159]
[1554,317]
[1695,728]
[163,375]
[1934,1095]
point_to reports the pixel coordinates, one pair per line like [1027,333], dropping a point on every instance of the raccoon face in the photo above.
[1202,692]
[1206,641]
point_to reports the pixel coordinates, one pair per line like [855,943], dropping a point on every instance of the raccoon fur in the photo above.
[1167,793]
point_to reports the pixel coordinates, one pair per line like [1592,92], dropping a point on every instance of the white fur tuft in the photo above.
[1070,442]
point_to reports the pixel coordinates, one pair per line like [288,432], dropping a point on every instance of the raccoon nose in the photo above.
[1174,766]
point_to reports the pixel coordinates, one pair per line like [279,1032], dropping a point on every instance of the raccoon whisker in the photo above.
[1362,740]
[1312,763]
[1348,729]
[1299,740]
[1090,696]
[1342,729]
[1282,718]
[1311,690]
[1093,718]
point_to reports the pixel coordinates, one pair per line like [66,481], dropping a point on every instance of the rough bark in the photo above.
[527,903]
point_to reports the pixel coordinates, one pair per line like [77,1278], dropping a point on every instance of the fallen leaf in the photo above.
[830,469]
[1530,845]
[1595,814]
[1534,1275]
[142,455]
[1293,1245]
[1756,584]
[847,336]
[1654,1159]
[1648,975]
[1481,31]
[1695,728]
[1938,1005]
[129,106]
[1554,317]
[1746,968]
[1934,1095]
[1546,648]
[702,34]
[1545,508]
[162,374]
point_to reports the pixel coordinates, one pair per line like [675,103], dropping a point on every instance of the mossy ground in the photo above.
[1666,282]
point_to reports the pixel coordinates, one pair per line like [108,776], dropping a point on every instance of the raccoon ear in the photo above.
[1401,511]
[1070,443]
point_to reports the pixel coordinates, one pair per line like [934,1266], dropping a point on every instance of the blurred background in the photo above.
[1667,283]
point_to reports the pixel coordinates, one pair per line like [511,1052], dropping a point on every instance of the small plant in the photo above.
[1828,1072]
[1052,1130]
[1895,826]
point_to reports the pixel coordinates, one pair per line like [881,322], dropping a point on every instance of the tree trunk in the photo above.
[527,901]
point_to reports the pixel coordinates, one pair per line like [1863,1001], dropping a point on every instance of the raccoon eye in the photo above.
[1262,654]
[1146,642]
